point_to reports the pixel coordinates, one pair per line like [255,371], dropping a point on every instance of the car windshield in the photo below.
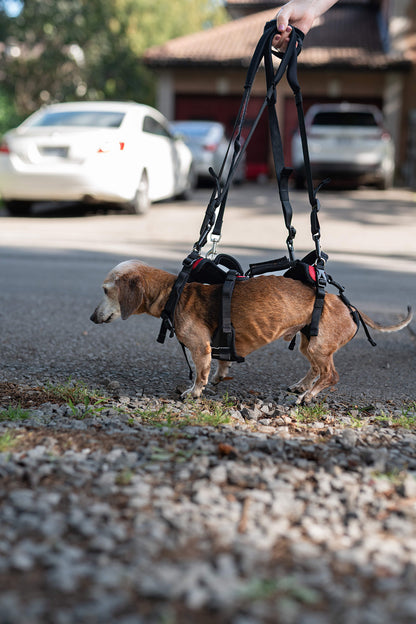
[90,118]
[353,118]
[198,131]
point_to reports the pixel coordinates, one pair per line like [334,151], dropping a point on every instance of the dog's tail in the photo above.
[388,328]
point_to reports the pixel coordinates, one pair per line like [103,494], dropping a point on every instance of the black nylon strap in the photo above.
[259,268]
[219,196]
[223,342]
[168,313]
[227,293]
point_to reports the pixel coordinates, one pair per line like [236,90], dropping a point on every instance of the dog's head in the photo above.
[123,293]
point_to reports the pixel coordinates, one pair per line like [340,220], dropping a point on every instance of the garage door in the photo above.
[225,110]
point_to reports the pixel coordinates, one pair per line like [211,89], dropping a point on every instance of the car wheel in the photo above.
[18,208]
[140,204]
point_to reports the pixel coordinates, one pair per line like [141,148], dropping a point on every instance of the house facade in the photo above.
[359,51]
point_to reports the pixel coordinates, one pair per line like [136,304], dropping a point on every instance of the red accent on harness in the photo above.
[312,272]
[195,264]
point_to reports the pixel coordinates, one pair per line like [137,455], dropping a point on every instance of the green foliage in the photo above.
[406,419]
[72,392]
[64,50]
[8,115]
[14,413]
[289,587]
[204,413]
[311,413]
[7,441]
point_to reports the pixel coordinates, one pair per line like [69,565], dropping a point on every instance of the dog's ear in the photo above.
[130,295]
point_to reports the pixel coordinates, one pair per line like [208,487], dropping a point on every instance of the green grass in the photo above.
[287,587]
[408,417]
[7,441]
[406,420]
[124,477]
[311,413]
[73,391]
[14,413]
[203,413]
[76,393]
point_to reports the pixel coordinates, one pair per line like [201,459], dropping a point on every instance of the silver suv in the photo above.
[346,141]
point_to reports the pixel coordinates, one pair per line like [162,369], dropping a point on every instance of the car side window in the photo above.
[152,126]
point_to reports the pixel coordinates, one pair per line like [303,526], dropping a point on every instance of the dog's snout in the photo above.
[93,317]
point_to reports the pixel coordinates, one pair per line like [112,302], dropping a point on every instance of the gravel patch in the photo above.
[282,515]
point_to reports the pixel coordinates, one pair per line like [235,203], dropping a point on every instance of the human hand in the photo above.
[299,13]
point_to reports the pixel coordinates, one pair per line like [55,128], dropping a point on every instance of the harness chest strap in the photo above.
[168,313]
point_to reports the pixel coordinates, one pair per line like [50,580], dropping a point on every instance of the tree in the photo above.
[64,50]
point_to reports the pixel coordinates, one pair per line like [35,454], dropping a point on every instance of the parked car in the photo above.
[346,141]
[116,152]
[208,143]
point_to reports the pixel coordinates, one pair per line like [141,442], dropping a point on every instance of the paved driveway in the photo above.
[54,262]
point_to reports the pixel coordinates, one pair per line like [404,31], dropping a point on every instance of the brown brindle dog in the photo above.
[263,309]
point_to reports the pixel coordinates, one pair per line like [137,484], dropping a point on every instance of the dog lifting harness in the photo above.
[311,269]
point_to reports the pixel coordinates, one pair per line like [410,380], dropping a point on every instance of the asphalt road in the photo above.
[53,263]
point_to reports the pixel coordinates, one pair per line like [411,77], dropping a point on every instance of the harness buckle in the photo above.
[215,239]
[320,277]
[289,243]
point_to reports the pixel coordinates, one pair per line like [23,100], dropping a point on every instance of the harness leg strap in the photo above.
[223,342]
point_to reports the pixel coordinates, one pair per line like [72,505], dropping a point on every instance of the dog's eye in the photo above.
[105,289]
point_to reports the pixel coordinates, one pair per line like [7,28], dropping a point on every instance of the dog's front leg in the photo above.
[201,357]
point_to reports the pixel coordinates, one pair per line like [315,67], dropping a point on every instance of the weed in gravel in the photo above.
[7,441]
[356,421]
[362,416]
[394,475]
[311,413]
[408,416]
[86,409]
[202,413]
[14,413]
[124,477]
[82,401]
[214,414]
[73,391]
[287,587]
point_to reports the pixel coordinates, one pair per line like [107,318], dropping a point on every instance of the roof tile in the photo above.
[345,35]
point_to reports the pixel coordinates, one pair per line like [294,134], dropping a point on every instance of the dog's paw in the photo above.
[191,393]
[304,398]
[218,379]
[295,389]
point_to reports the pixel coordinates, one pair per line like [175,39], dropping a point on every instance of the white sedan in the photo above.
[115,152]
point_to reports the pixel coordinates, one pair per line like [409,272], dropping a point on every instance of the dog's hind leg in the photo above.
[221,373]
[323,363]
